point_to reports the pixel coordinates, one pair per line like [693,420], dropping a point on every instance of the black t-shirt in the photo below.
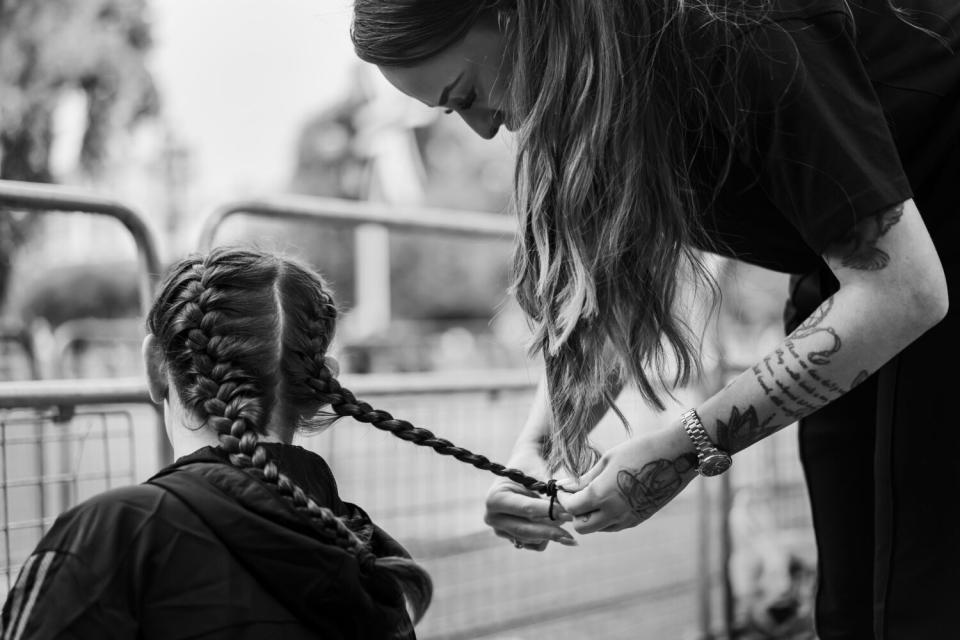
[845,112]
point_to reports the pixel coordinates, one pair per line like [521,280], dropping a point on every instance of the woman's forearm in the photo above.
[537,426]
[891,291]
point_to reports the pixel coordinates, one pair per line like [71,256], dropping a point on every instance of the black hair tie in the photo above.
[551,491]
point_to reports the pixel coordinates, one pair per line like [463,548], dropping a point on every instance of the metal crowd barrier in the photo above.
[47,198]
[694,513]
[665,574]
[349,213]
[91,431]
[41,198]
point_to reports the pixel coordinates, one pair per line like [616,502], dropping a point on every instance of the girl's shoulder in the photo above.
[122,514]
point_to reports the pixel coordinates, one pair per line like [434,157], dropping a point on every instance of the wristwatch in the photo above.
[711,461]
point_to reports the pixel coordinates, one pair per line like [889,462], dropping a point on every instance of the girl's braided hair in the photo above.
[244,336]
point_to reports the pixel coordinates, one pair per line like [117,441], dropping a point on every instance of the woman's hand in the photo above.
[522,516]
[632,481]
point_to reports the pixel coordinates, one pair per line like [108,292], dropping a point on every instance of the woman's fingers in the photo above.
[520,530]
[580,503]
[530,546]
[510,500]
[586,478]
[598,521]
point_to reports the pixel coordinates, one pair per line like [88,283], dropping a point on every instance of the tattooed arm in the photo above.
[892,289]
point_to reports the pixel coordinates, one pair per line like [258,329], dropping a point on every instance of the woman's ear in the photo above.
[156,375]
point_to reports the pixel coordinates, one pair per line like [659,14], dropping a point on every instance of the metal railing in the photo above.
[484,587]
[349,213]
[340,213]
[62,441]
[432,504]
[41,198]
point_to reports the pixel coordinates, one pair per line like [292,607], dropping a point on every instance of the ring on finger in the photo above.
[517,544]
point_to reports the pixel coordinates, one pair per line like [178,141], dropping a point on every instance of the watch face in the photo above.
[713,464]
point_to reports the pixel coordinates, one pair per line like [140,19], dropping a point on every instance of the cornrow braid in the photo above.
[234,413]
[230,400]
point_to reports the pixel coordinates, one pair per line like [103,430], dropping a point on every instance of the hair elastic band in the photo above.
[551,491]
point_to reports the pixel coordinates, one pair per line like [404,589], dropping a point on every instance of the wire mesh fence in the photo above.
[53,458]
[642,581]
[664,579]
[50,460]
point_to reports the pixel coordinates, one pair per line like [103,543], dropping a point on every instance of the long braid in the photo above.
[329,391]
[233,409]
[231,401]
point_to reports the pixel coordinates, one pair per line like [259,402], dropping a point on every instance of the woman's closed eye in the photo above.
[464,103]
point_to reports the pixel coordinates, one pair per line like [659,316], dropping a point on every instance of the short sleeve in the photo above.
[815,133]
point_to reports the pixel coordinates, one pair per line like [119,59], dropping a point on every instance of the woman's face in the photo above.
[468,78]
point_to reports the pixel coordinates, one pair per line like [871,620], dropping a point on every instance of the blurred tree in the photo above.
[49,48]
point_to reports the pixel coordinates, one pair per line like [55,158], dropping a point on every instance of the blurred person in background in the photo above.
[819,138]
[245,535]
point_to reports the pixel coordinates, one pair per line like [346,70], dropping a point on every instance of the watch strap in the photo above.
[697,434]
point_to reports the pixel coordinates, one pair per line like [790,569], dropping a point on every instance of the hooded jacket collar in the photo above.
[283,549]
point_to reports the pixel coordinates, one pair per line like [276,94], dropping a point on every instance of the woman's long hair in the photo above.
[612,102]
[629,113]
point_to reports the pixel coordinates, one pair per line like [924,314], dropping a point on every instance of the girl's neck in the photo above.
[187,434]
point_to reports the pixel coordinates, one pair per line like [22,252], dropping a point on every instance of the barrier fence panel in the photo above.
[62,442]
[486,588]
[46,198]
[638,583]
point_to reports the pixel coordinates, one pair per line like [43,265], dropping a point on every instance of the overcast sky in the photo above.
[239,77]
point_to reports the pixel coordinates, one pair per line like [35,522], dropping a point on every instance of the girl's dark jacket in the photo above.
[201,550]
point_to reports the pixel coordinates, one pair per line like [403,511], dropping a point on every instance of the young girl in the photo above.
[820,138]
[244,536]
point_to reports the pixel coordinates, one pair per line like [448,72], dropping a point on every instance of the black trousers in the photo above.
[882,466]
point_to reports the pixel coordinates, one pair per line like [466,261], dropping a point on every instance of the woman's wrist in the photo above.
[676,438]
[524,453]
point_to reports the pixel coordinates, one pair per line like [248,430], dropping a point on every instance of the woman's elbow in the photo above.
[931,300]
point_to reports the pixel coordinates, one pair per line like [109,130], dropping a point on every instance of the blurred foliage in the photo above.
[105,290]
[49,48]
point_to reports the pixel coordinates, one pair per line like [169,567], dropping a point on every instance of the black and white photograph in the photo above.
[479,319]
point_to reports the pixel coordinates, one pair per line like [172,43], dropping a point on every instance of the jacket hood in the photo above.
[322,584]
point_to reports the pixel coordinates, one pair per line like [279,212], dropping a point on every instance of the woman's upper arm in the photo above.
[891,255]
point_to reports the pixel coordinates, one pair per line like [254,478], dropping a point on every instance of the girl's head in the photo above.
[241,338]
[610,101]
